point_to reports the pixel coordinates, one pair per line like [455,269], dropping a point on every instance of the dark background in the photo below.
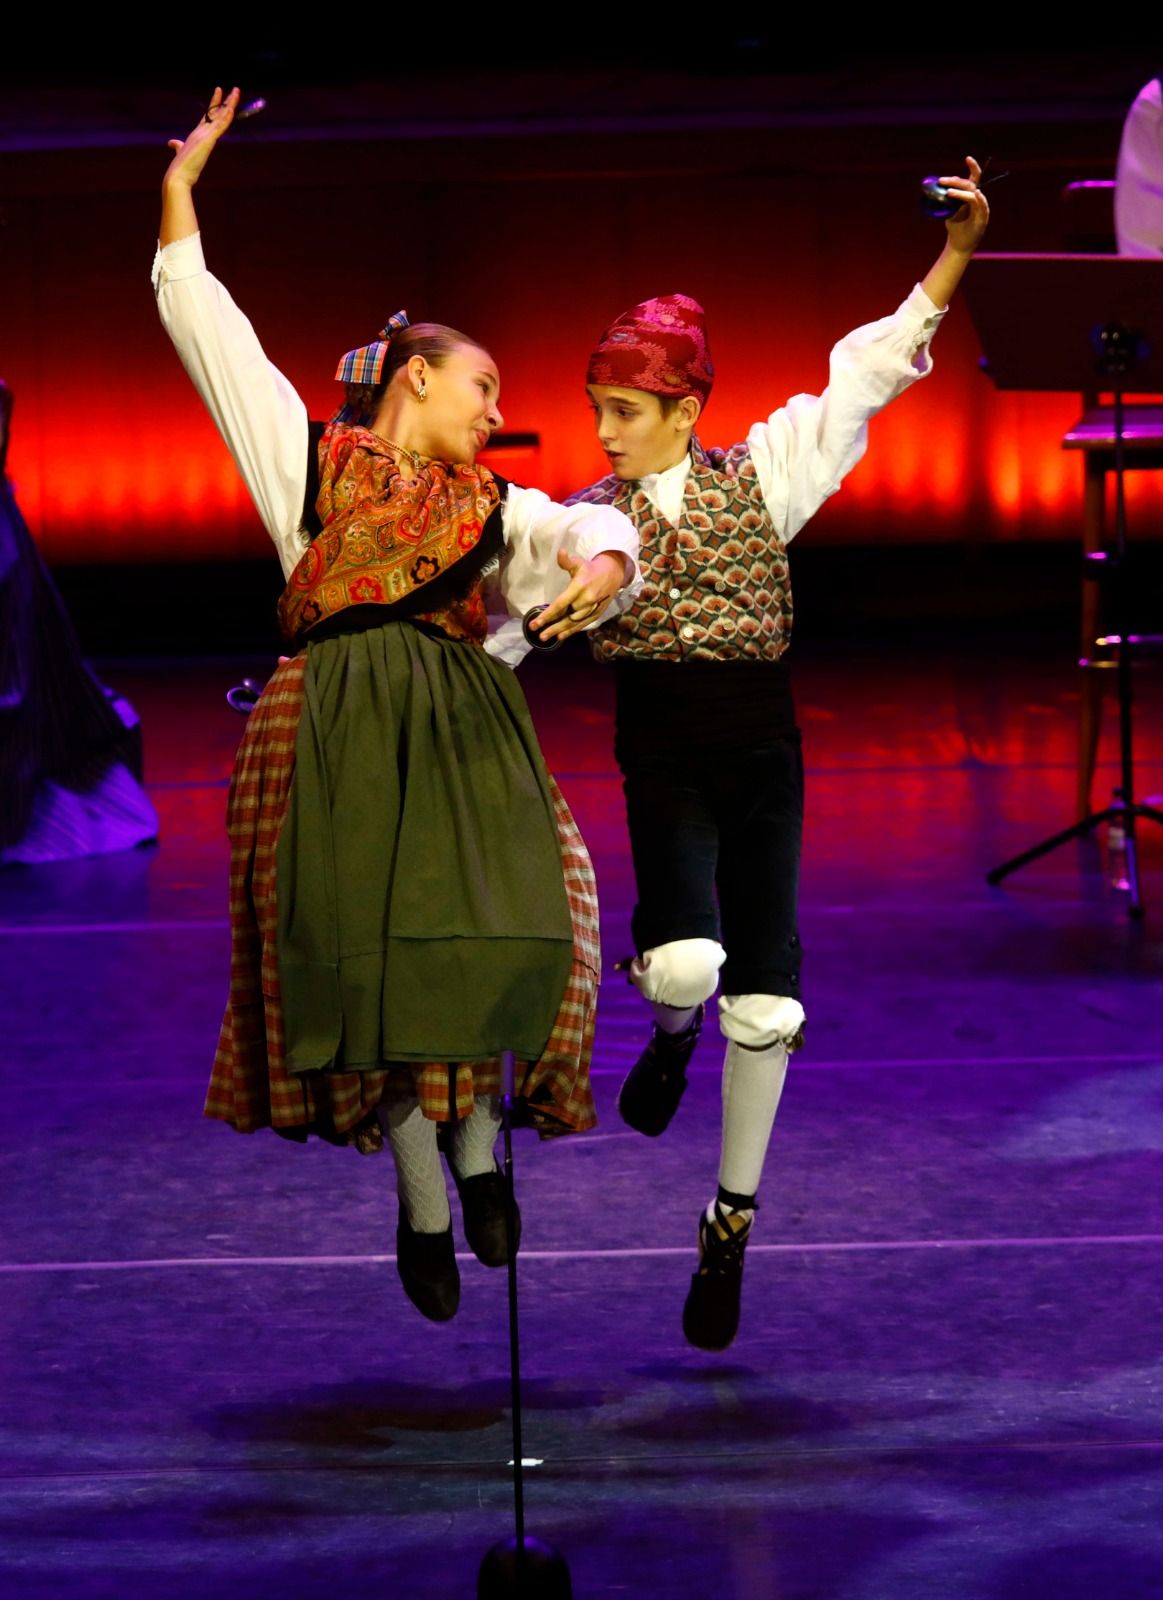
[528,192]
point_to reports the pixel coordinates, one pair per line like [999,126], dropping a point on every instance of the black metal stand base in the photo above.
[521,1568]
[537,1573]
[1126,815]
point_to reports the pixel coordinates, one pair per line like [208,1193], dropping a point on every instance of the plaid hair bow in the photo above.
[366,364]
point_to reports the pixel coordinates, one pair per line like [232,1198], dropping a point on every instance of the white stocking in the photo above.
[474,1136]
[673,1019]
[419,1175]
[752,1085]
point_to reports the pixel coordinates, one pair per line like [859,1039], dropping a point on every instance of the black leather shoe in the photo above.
[710,1317]
[482,1203]
[427,1266]
[649,1097]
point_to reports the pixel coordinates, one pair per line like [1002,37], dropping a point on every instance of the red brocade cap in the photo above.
[659,346]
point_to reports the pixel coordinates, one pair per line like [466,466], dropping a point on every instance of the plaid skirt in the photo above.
[250,1087]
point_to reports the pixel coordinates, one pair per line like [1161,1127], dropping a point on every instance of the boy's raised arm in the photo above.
[805,449]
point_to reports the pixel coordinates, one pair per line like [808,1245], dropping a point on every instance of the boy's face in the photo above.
[637,438]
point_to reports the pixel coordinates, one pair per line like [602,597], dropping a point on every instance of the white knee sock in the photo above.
[474,1136]
[752,1085]
[419,1175]
[672,1019]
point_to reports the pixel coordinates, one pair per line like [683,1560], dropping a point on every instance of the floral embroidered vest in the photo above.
[716,587]
[389,541]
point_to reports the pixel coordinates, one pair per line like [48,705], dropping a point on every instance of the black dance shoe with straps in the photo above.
[655,1084]
[710,1317]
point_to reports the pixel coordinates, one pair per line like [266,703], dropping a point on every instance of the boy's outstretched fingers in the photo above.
[557,620]
[592,586]
[966,226]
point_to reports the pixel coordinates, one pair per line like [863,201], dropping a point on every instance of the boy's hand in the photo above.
[593,584]
[965,227]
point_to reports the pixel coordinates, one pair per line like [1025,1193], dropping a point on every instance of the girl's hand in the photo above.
[192,153]
[593,584]
[965,227]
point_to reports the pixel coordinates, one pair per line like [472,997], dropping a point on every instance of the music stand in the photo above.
[1098,327]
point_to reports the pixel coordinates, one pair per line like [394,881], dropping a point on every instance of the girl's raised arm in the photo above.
[256,410]
[191,154]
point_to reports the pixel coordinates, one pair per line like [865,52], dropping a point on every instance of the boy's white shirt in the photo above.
[806,448]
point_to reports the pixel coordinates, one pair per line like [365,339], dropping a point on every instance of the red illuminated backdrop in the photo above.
[533,252]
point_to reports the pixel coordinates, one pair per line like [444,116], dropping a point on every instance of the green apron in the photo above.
[422,913]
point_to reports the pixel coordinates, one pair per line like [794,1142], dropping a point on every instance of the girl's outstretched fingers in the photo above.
[192,152]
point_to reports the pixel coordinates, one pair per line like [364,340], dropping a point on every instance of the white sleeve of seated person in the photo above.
[1139,180]
[803,452]
[261,418]
[537,529]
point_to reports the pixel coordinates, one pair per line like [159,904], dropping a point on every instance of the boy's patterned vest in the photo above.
[716,588]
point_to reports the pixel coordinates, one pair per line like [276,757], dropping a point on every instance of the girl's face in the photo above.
[635,434]
[460,413]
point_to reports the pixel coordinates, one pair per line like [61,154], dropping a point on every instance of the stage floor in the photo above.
[949,1380]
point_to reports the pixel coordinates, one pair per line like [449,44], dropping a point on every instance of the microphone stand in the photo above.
[521,1568]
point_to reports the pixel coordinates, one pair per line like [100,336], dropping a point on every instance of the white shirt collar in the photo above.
[665,489]
[659,482]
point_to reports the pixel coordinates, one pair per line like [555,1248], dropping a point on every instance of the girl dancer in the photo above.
[410,895]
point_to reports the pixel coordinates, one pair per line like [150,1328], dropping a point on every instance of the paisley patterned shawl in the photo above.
[384,537]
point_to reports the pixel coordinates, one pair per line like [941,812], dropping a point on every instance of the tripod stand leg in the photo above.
[1076,831]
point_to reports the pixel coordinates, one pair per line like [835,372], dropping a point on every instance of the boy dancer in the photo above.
[705,728]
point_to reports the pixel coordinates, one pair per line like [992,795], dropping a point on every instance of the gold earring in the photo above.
[422,390]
